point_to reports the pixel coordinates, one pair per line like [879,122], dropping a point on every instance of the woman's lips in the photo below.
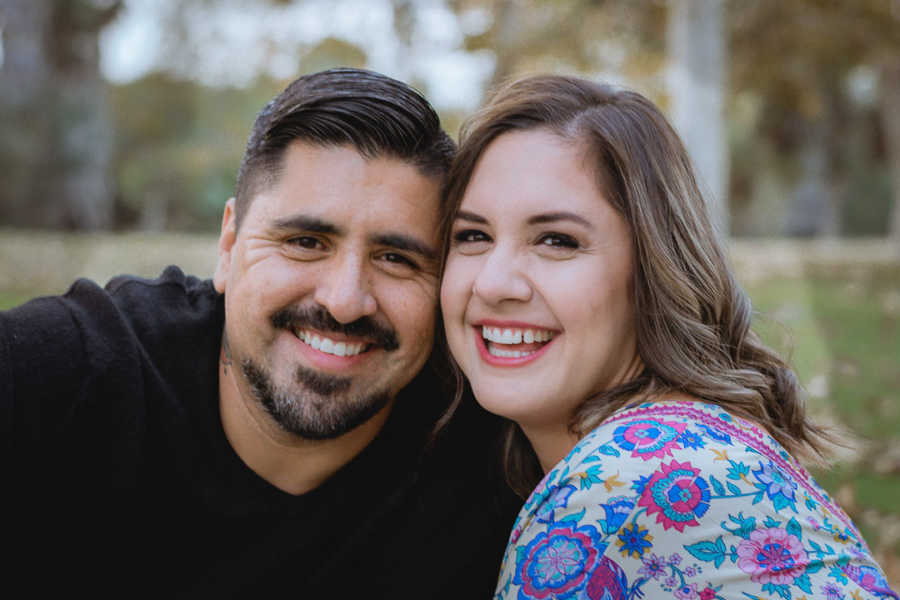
[511,346]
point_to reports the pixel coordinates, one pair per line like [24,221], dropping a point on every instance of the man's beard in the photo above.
[319,407]
[321,410]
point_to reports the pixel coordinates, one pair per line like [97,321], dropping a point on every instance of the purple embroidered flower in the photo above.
[617,511]
[557,562]
[686,592]
[832,592]
[654,567]
[779,487]
[670,581]
[870,579]
[675,559]
[677,495]
[690,572]
[634,540]
[772,556]
[648,438]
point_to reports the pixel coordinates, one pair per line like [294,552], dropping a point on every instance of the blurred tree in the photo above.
[698,59]
[55,134]
[795,59]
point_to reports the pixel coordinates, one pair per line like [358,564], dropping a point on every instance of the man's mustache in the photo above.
[316,317]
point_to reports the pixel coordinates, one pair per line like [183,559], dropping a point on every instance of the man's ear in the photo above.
[227,238]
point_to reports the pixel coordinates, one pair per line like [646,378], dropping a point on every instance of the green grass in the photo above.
[11,299]
[842,327]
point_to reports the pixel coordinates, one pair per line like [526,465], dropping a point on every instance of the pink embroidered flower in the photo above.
[772,556]
[677,494]
[649,438]
[686,592]
[707,593]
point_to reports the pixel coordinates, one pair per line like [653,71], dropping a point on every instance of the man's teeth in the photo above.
[516,336]
[329,346]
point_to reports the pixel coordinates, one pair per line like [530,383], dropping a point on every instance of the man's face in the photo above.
[330,287]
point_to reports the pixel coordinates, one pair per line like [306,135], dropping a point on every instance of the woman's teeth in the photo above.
[329,346]
[508,337]
[516,336]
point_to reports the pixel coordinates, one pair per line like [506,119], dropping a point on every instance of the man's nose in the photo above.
[344,289]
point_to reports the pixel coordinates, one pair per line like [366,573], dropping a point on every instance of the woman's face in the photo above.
[536,294]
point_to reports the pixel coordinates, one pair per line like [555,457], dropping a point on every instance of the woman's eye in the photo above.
[470,235]
[558,240]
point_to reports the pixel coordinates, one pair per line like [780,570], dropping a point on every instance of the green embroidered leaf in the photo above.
[815,566]
[608,450]
[782,590]
[707,551]
[793,528]
[803,583]
[717,486]
[574,517]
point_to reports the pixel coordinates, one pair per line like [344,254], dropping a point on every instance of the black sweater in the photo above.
[121,481]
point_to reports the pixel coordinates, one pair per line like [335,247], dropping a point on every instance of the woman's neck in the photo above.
[550,445]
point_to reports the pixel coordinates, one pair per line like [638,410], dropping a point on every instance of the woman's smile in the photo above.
[511,345]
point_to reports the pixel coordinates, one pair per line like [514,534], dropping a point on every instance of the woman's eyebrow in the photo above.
[559,216]
[470,216]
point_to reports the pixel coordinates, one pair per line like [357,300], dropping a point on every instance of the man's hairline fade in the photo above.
[378,116]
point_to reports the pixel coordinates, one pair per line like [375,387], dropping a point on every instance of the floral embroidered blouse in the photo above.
[681,499]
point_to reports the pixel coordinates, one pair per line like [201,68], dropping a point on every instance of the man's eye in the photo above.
[399,260]
[305,241]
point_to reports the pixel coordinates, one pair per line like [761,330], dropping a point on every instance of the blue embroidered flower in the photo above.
[617,511]
[640,483]
[691,439]
[559,498]
[780,488]
[557,562]
[634,540]
[719,436]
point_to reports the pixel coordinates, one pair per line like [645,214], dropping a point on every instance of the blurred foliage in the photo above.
[808,107]
[179,145]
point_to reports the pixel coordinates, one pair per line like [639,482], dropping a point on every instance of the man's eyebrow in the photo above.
[559,216]
[402,241]
[306,223]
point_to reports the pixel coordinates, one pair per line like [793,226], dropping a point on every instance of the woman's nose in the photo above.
[502,278]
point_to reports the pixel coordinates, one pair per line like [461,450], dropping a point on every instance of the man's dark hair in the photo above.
[377,115]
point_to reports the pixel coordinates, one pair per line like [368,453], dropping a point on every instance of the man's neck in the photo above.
[288,462]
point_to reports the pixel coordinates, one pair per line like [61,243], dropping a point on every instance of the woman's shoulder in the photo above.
[681,499]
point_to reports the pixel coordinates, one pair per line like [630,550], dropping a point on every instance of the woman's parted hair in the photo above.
[692,318]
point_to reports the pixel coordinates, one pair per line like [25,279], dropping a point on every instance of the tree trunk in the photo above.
[56,132]
[890,119]
[697,54]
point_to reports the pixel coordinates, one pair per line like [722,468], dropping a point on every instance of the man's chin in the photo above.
[315,406]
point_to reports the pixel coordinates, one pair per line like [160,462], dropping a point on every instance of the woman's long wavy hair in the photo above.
[692,318]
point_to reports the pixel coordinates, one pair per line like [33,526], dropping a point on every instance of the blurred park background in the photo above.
[122,123]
